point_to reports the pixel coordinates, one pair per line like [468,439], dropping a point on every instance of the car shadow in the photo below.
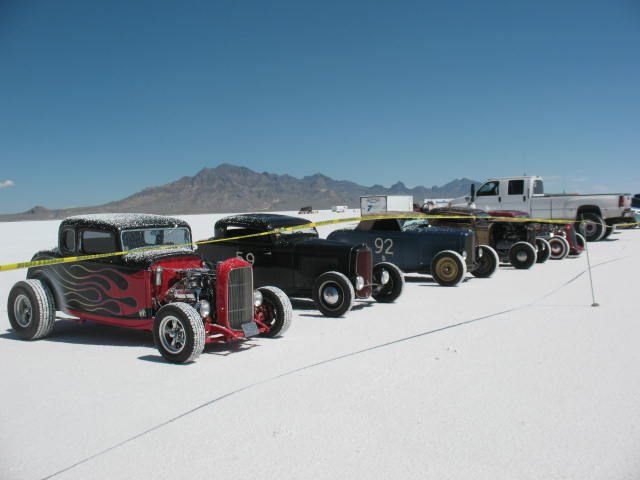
[89,333]
[308,305]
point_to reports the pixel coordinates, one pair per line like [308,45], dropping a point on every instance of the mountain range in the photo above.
[229,188]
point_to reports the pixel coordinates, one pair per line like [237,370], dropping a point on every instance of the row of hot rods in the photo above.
[145,271]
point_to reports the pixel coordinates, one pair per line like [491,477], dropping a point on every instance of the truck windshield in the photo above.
[153,237]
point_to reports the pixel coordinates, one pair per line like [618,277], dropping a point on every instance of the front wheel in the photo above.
[448,268]
[559,248]
[333,293]
[544,250]
[522,255]
[488,262]
[391,290]
[178,332]
[31,309]
[274,312]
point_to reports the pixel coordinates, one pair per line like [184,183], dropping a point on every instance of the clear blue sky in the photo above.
[99,99]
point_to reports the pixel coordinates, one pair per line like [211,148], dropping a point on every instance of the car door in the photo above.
[514,195]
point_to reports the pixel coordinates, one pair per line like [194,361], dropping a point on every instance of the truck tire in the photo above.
[592,227]
[448,268]
[544,249]
[559,248]
[608,230]
[522,255]
[390,291]
[31,309]
[333,293]
[488,262]
[178,332]
[275,311]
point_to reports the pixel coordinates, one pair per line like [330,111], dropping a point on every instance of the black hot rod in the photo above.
[287,252]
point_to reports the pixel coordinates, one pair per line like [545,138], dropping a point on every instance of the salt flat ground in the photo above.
[513,377]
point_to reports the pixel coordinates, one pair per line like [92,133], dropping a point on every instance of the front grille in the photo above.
[240,297]
[470,248]
[364,268]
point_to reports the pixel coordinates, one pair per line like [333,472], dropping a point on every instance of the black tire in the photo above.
[448,268]
[178,332]
[580,241]
[608,230]
[31,309]
[559,248]
[543,250]
[275,311]
[522,255]
[488,262]
[391,290]
[592,227]
[333,293]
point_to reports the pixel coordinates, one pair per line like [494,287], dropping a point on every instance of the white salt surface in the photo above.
[513,377]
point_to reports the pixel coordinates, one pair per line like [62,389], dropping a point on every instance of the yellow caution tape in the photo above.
[58,261]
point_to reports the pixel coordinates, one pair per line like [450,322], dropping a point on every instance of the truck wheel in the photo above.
[559,248]
[275,311]
[333,293]
[488,262]
[31,309]
[178,332]
[448,268]
[388,292]
[608,230]
[522,255]
[592,227]
[544,249]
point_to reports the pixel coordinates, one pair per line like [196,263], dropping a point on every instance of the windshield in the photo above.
[153,237]
[300,231]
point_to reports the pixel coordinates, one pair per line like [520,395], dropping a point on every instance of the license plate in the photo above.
[250,329]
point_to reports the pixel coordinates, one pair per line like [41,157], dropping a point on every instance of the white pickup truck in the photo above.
[598,213]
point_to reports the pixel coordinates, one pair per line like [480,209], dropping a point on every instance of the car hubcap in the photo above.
[22,310]
[448,270]
[522,256]
[331,295]
[173,335]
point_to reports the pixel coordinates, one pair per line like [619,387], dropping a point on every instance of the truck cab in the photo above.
[512,193]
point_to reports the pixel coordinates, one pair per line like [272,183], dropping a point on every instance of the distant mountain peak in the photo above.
[231,188]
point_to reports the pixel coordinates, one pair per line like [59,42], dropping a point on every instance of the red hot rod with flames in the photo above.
[156,283]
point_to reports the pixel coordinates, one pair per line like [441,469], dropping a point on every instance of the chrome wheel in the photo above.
[173,335]
[23,311]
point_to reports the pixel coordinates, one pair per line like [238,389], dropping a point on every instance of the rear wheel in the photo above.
[333,293]
[488,262]
[178,332]
[544,249]
[522,255]
[559,248]
[31,309]
[275,311]
[448,268]
[592,227]
[389,291]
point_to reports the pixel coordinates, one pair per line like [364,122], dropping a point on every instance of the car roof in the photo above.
[124,221]
[261,221]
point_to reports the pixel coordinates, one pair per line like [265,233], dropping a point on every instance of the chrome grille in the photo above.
[240,297]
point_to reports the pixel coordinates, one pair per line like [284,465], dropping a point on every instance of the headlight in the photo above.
[257,298]
[205,308]
[464,254]
[359,283]
[384,277]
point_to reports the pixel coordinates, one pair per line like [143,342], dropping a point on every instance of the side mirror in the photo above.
[472,193]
